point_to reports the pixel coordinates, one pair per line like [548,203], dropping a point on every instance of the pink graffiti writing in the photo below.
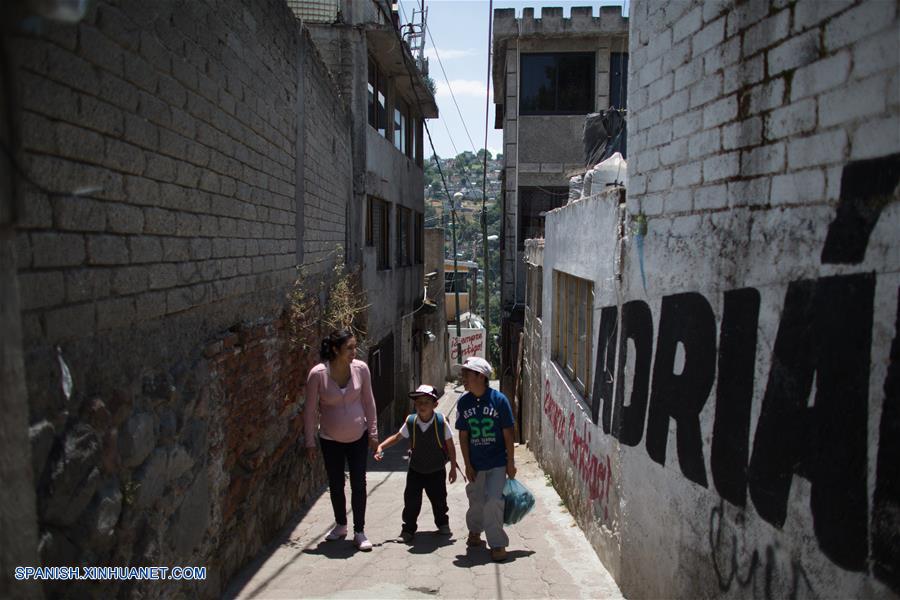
[595,470]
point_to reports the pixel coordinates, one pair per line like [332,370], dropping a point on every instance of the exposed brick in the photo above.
[765,159]
[875,138]
[709,36]
[720,111]
[793,53]
[721,166]
[710,197]
[74,213]
[810,14]
[862,99]
[100,50]
[145,249]
[54,249]
[688,24]
[858,23]
[822,149]
[176,249]
[41,289]
[124,157]
[876,53]
[792,119]
[116,312]
[70,322]
[707,89]
[766,33]
[747,132]
[129,280]
[159,221]
[703,143]
[820,76]
[87,284]
[150,305]
[162,276]
[798,187]
[749,192]
[107,250]
[123,218]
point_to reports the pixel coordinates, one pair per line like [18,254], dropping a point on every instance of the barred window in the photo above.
[404,240]
[419,238]
[572,327]
[377,230]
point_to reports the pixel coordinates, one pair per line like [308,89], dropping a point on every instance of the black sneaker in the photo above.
[406,536]
[444,530]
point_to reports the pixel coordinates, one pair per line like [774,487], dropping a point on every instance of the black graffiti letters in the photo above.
[637,325]
[825,331]
[824,337]
[734,394]
[685,319]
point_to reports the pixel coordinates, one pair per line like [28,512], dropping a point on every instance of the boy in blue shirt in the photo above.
[485,425]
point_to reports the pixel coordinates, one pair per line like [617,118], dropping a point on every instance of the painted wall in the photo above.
[745,362]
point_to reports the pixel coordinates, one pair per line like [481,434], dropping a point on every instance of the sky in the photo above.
[458,39]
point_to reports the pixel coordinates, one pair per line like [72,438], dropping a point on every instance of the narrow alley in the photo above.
[549,556]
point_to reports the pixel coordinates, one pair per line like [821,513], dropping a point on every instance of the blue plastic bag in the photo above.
[517,502]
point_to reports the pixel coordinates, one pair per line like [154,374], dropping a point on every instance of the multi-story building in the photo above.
[388,93]
[548,74]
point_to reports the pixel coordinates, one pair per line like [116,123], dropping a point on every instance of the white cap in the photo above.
[479,365]
[424,390]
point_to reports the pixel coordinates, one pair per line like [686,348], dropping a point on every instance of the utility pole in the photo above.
[457,198]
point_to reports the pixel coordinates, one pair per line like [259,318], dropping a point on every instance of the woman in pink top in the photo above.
[339,396]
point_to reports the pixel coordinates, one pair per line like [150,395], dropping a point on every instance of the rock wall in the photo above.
[739,436]
[178,161]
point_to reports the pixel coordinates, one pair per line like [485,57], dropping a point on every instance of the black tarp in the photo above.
[604,134]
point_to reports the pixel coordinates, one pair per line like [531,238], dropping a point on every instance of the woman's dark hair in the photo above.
[332,343]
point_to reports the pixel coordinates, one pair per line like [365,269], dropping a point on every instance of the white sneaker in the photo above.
[338,533]
[362,542]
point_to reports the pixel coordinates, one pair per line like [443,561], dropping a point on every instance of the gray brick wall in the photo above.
[181,135]
[167,134]
[771,95]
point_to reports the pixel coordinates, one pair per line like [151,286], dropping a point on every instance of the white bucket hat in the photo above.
[479,365]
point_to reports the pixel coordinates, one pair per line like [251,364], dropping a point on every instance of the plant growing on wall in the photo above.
[322,303]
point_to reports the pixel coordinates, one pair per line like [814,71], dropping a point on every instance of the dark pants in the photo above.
[435,487]
[336,455]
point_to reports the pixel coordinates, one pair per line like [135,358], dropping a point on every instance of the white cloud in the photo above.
[461,88]
[448,53]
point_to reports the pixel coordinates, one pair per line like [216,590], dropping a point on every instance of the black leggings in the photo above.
[336,455]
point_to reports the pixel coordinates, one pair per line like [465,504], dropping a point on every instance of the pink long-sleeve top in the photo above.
[343,414]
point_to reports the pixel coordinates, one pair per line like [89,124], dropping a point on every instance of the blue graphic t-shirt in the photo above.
[485,418]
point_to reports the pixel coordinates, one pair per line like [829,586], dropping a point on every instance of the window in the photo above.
[419,238]
[403,250]
[456,281]
[377,98]
[557,84]
[572,327]
[618,79]
[534,203]
[401,126]
[377,230]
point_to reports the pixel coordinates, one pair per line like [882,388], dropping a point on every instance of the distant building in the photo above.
[548,74]
[389,97]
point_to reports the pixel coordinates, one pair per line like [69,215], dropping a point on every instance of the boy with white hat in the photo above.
[485,425]
[431,447]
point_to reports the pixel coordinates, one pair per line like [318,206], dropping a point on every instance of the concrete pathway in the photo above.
[548,555]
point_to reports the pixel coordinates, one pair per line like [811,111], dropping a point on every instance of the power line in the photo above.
[449,87]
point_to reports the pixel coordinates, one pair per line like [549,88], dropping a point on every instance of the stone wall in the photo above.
[741,439]
[163,217]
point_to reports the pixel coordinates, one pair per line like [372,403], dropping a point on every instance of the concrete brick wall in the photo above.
[744,339]
[166,200]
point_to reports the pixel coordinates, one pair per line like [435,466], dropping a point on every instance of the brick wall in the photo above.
[157,236]
[739,436]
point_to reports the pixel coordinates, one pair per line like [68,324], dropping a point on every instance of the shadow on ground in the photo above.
[482,556]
